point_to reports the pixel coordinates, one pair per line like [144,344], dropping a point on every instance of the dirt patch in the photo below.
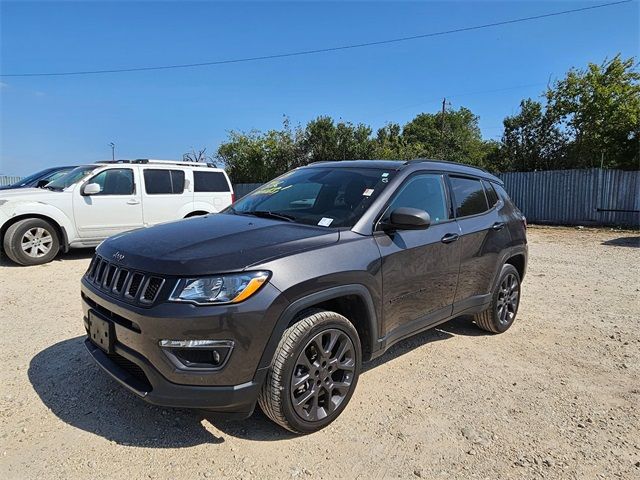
[556,396]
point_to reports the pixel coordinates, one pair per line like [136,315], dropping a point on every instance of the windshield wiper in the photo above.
[267,214]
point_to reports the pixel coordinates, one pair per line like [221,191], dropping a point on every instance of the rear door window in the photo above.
[469,197]
[210,182]
[157,181]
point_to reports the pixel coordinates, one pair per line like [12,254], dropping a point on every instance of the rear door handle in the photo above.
[450,238]
[133,201]
[498,225]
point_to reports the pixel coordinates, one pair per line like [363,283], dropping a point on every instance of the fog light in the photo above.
[197,354]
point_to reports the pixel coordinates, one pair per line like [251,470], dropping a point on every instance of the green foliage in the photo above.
[590,117]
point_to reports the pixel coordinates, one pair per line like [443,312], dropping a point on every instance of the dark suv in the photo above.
[279,298]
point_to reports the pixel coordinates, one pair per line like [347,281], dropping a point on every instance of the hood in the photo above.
[212,244]
[27,194]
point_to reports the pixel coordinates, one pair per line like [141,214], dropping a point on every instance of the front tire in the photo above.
[32,241]
[314,372]
[504,303]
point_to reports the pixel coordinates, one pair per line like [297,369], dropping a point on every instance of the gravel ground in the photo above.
[557,396]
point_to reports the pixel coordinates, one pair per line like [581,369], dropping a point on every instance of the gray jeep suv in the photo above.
[280,298]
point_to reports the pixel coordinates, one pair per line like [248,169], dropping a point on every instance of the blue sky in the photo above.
[161,114]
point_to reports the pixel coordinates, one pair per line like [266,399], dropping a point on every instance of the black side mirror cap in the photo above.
[407,218]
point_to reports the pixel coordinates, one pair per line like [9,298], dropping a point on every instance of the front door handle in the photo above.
[133,201]
[498,225]
[450,238]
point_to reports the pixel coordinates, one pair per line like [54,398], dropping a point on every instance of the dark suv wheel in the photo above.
[31,241]
[314,372]
[504,302]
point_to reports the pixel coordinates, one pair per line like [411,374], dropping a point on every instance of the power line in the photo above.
[316,51]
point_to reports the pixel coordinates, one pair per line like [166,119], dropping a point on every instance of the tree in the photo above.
[460,141]
[599,108]
[323,139]
[197,156]
[256,157]
[531,140]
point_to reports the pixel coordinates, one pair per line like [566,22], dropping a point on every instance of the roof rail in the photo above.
[420,160]
[152,161]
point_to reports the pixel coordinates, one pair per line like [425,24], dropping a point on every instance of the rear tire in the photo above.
[314,372]
[504,303]
[32,241]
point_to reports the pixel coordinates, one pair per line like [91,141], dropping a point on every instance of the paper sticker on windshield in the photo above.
[368,192]
[385,174]
[325,222]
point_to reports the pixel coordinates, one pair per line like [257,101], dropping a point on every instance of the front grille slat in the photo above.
[151,289]
[111,272]
[130,286]
[134,285]
[120,282]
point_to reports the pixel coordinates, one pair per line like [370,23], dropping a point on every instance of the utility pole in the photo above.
[113,151]
[444,106]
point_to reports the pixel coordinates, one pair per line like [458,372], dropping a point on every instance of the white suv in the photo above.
[93,202]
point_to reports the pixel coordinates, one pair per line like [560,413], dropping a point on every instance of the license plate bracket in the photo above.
[101,332]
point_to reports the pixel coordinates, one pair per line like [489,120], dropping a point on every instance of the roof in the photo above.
[419,164]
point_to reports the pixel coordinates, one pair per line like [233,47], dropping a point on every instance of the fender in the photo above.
[28,209]
[305,302]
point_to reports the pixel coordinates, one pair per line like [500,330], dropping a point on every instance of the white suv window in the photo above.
[158,181]
[210,182]
[116,181]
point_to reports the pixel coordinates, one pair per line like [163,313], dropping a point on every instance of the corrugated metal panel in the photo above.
[241,189]
[577,197]
[7,180]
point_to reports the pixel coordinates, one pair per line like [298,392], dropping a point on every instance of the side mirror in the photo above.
[41,183]
[91,189]
[406,218]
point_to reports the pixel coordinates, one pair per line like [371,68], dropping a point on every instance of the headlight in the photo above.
[232,288]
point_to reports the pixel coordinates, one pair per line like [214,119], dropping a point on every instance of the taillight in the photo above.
[233,197]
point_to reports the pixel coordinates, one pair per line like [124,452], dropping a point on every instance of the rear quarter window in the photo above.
[492,196]
[210,182]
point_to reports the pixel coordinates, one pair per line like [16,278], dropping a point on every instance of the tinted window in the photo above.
[163,181]
[210,182]
[117,181]
[469,196]
[324,196]
[492,196]
[425,192]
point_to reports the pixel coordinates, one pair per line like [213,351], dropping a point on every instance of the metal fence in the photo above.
[241,189]
[577,197]
[563,197]
[7,180]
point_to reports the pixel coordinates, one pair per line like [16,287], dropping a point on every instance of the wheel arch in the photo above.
[60,230]
[196,213]
[352,301]
[519,262]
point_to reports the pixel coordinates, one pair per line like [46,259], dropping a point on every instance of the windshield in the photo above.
[31,178]
[71,177]
[329,197]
